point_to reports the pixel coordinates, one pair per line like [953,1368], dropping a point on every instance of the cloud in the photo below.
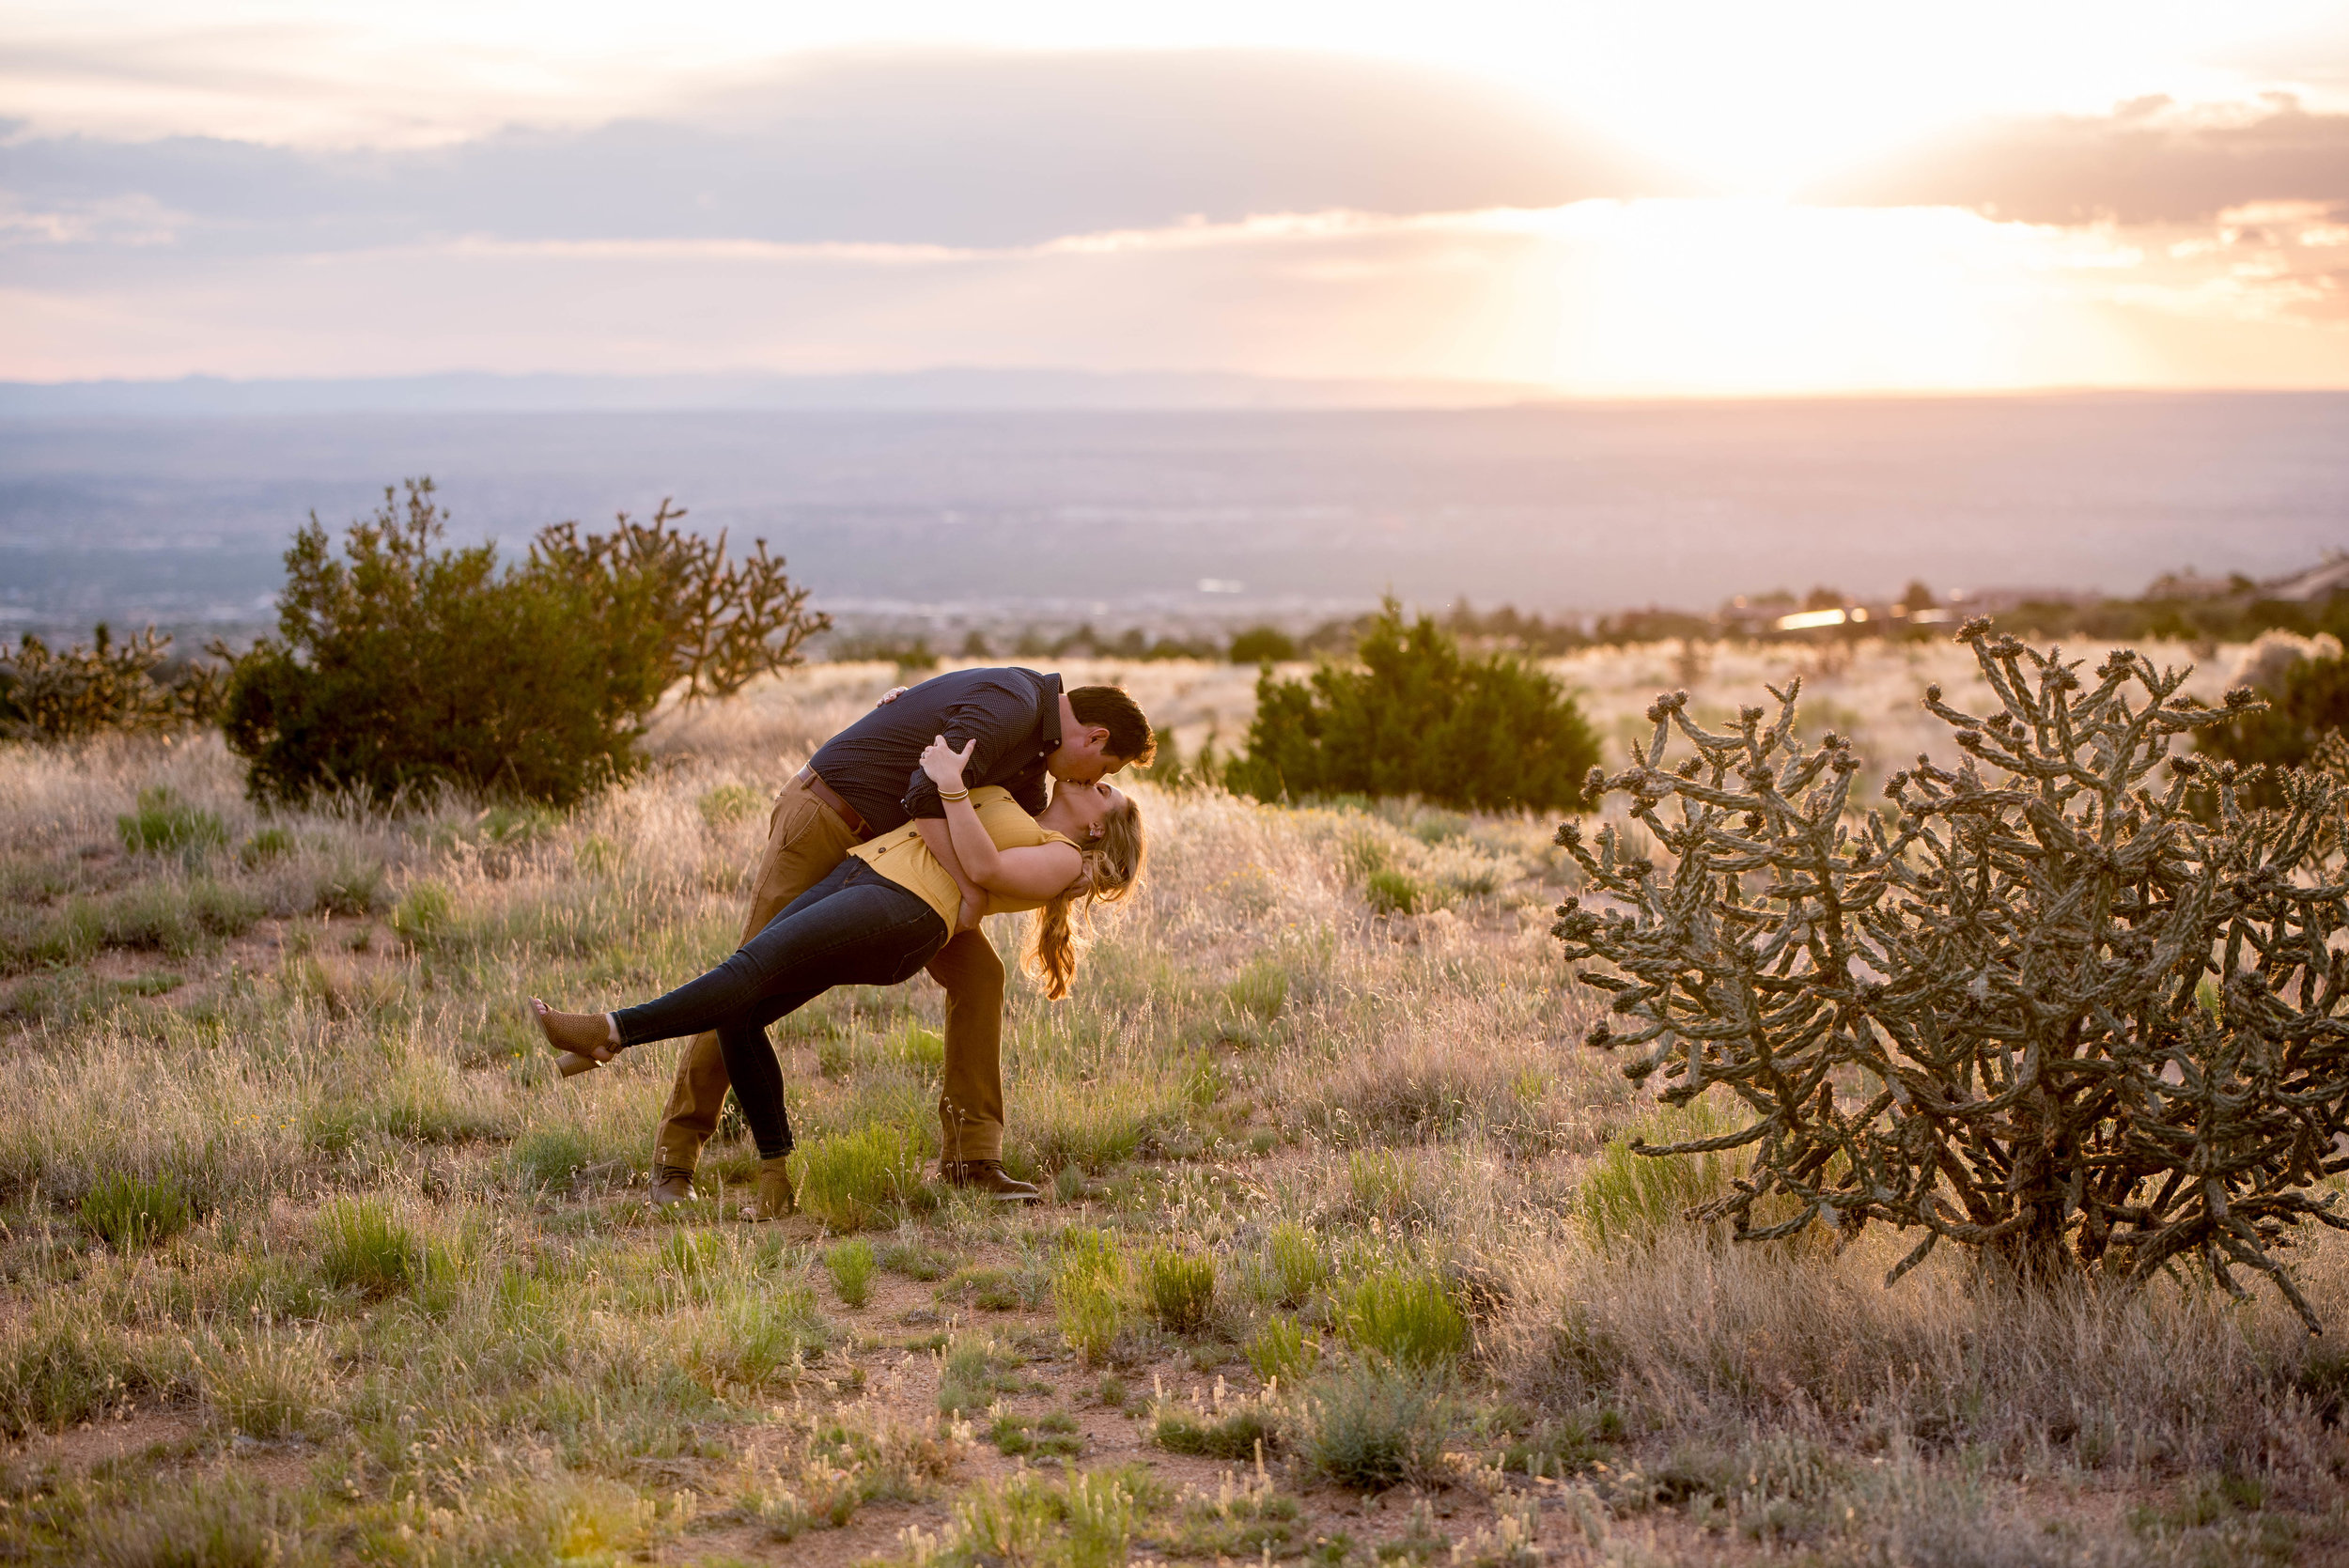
[954,149]
[2150,160]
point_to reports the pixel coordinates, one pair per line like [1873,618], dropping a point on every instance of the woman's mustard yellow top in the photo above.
[902,857]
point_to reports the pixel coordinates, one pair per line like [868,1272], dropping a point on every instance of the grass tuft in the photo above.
[1179,1287]
[850,1265]
[859,1180]
[164,824]
[134,1211]
[364,1247]
[1405,1316]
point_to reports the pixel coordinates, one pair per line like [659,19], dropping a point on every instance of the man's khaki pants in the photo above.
[805,840]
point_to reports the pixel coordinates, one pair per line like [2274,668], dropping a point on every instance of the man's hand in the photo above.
[892,695]
[974,905]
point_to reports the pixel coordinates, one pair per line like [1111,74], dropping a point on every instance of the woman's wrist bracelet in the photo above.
[956,795]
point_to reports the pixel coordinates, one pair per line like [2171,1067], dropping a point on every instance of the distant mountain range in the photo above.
[912,391]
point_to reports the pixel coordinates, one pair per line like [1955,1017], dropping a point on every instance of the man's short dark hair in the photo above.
[1114,710]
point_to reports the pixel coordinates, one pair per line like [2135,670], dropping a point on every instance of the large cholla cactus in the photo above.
[2045,1009]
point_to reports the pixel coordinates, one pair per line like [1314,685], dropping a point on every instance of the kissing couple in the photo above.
[883,854]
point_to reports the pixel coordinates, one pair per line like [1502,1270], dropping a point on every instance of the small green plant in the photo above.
[423,915]
[1405,1316]
[266,1382]
[364,1247]
[166,825]
[1224,1428]
[850,1265]
[1300,1264]
[761,1340]
[729,803]
[1371,1425]
[131,1211]
[917,1260]
[1626,1198]
[1279,1351]
[1052,1435]
[976,1372]
[1261,990]
[1089,1293]
[1179,1287]
[857,1180]
[269,843]
[1391,891]
[551,1156]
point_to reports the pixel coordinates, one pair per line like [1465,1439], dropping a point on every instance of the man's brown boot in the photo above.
[987,1178]
[671,1184]
[772,1197]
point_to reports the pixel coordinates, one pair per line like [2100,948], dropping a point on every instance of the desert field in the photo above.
[307,1255]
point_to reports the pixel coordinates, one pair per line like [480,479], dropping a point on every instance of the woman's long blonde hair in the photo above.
[1112,866]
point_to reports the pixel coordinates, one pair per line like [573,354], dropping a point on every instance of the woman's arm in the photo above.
[1040,872]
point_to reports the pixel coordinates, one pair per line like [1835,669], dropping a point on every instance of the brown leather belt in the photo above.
[814,784]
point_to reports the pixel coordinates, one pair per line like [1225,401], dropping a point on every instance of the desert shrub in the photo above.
[855,1180]
[850,1265]
[1982,1017]
[1263,644]
[131,1211]
[2306,700]
[166,824]
[1417,717]
[60,695]
[1373,1425]
[1179,1287]
[1405,1316]
[404,666]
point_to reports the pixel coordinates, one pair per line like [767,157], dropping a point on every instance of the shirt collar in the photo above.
[1050,727]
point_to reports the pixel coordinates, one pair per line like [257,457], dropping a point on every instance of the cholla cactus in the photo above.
[2041,1007]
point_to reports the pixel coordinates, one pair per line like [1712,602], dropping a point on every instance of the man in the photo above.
[868,780]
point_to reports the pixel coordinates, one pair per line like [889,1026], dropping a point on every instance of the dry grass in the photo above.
[407,1307]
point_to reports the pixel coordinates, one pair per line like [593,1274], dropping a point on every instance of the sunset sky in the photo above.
[1663,198]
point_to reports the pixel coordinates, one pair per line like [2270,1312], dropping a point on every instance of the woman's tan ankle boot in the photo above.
[772,1197]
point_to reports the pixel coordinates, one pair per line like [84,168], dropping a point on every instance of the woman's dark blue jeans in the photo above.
[855,927]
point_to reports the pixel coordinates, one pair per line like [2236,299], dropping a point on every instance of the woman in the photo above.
[876,921]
